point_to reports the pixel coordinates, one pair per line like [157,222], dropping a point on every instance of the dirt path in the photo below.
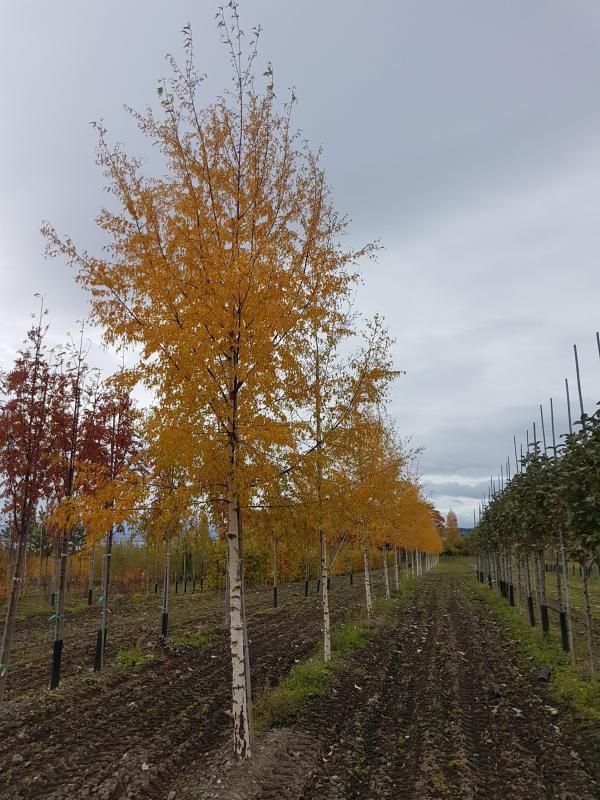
[412,716]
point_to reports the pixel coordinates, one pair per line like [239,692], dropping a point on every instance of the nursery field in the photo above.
[405,710]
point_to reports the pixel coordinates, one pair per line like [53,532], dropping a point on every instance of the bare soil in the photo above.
[413,716]
[129,734]
[410,716]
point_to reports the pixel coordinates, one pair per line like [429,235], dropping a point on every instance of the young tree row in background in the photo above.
[548,511]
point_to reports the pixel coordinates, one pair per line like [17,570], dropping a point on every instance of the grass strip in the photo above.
[282,704]
[569,685]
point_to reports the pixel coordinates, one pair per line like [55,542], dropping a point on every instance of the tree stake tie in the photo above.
[55,616]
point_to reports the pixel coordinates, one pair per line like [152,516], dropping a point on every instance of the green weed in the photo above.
[129,658]
[195,639]
[280,705]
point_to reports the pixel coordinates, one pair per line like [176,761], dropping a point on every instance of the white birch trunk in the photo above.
[386,578]
[91,555]
[164,629]
[396,569]
[237,624]
[325,596]
[367,579]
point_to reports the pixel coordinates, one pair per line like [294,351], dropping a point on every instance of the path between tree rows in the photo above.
[413,716]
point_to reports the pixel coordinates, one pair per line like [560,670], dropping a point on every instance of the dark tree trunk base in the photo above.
[57,649]
[530,611]
[564,631]
[98,653]
[545,620]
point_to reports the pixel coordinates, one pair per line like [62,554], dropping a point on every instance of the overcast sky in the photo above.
[464,135]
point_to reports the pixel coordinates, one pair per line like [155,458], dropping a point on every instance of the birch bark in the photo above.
[367,579]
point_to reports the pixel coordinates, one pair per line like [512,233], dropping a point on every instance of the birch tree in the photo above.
[217,273]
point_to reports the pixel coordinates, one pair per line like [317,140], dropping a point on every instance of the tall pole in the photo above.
[578,380]
[543,427]
[516,459]
[562,574]
[568,405]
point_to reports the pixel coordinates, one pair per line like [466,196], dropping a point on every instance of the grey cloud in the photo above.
[463,134]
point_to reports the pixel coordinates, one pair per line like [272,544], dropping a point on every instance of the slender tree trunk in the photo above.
[511,588]
[246,645]
[588,617]
[55,561]
[91,556]
[156,571]
[9,562]
[11,610]
[274,572]
[560,593]
[103,630]
[164,624]
[237,624]
[528,592]
[59,612]
[367,579]
[306,574]
[325,596]
[396,569]
[567,592]
[41,560]
[386,577]
[541,571]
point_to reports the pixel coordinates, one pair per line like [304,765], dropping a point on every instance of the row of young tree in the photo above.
[227,280]
[198,561]
[547,514]
[76,465]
